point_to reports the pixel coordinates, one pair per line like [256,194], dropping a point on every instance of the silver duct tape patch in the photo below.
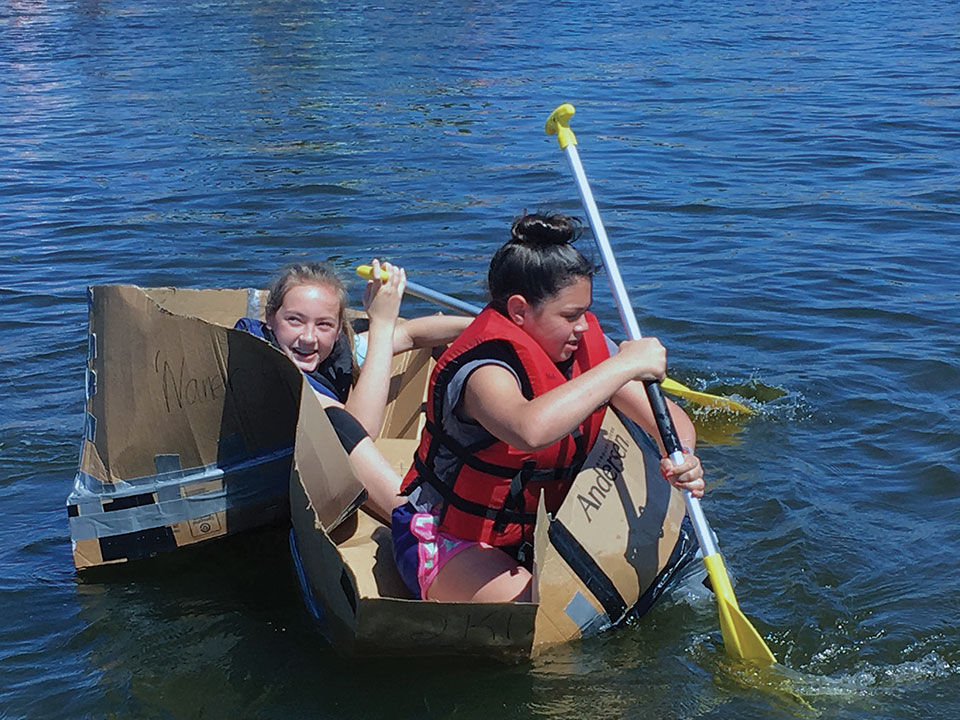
[167,464]
[170,492]
[90,428]
[253,303]
[586,616]
[181,503]
[86,485]
[145,517]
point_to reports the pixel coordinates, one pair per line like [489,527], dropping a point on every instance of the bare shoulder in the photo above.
[491,390]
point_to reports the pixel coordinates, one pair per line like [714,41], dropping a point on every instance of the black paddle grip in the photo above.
[668,431]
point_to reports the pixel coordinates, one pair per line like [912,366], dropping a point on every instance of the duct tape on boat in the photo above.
[253,303]
[150,505]
[87,485]
[585,616]
[141,517]
[139,513]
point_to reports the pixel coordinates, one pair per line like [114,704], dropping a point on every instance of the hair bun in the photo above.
[537,229]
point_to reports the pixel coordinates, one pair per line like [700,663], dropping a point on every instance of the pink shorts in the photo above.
[434,548]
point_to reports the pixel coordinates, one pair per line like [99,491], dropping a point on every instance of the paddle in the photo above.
[739,636]
[671,386]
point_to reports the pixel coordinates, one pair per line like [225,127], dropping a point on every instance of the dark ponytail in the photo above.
[538,261]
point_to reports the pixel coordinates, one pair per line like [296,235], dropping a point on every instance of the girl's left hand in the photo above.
[686,476]
[381,298]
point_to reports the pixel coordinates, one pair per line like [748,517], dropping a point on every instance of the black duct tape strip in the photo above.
[137,544]
[129,501]
[588,571]
[684,553]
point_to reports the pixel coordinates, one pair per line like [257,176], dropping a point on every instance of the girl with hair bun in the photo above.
[306,320]
[513,408]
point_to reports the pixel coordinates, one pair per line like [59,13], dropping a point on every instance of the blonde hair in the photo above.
[314,273]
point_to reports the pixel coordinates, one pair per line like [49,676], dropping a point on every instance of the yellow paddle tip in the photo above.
[366,272]
[559,124]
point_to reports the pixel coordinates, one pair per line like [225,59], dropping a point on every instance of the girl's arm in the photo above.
[428,331]
[492,396]
[373,471]
[368,398]
[632,401]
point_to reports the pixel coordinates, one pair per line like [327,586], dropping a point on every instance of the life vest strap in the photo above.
[426,475]
[514,497]
[466,455]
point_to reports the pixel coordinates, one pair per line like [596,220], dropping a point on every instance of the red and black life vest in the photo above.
[489,489]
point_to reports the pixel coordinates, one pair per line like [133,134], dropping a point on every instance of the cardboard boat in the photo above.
[196,431]
[606,555]
[189,424]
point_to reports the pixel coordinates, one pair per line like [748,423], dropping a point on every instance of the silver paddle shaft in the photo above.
[700,525]
[446,301]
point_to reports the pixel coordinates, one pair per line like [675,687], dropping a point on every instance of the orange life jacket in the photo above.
[489,489]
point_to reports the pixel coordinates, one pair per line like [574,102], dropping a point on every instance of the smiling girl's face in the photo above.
[307,324]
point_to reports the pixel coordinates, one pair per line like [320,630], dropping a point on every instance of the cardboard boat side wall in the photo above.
[216,306]
[612,536]
[348,559]
[624,517]
[176,450]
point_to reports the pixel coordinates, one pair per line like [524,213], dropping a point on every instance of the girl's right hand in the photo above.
[646,357]
[381,298]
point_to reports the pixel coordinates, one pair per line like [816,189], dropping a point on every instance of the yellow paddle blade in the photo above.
[706,399]
[740,638]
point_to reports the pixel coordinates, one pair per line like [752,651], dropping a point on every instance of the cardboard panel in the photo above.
[220,307]
[567,609]
[197,391]
[411,628]
[622,512]
[404,416]
[324,469]
[611,537]
[190,426]
[367,548]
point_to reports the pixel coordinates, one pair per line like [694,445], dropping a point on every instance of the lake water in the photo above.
[780,182]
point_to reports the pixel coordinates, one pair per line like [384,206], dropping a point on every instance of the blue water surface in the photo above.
[780,183]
